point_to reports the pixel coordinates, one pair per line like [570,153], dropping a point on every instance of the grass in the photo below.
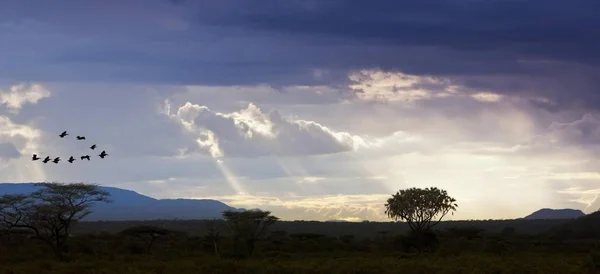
[345,263]
[281,253]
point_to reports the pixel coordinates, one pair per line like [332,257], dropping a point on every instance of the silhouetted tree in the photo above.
[12,211]
[307,236]
[347,239]
[383,233]
[213,234]
[50,211]
[468,233]
[147,233]
[425,241]
[249,226]
[421,209]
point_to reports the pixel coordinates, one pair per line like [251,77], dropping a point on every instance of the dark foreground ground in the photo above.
[314,247]
[317,263]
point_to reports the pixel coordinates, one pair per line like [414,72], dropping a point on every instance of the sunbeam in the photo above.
[230,178]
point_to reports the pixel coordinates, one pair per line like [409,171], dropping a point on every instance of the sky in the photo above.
[314,110]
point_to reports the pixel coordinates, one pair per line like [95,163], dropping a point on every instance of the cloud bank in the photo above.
[251,133]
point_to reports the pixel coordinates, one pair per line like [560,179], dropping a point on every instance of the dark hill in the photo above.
[130,205]
[585,227]
[547,213]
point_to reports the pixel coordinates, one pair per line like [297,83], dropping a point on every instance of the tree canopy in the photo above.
[420,208]
[249,226]
[147,233]
[50,211]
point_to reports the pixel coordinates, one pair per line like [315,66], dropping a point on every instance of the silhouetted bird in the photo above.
[71,160]
[85,157]
[35,157]
[80,137]
[47,159]
[62,135]
[103,154]
[56,160]
[93,146]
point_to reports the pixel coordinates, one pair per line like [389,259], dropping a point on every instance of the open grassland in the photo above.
[311,263]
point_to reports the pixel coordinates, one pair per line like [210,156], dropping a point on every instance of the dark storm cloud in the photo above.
[522,47]
[555,29]
[547,48]
[564,27]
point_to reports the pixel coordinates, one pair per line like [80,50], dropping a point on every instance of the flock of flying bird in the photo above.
[71,159]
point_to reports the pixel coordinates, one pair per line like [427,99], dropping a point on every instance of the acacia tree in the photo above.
[249,226]
[13,211]
[212,236]
[421,209]
[51,211]
[147,233]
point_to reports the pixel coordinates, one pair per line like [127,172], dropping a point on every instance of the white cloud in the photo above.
[468,147]
[584,131]
[18,95]
[377,85]
[19,140]
[393,87]
[487,97]
[8,151]
[311,180]
[17,143]
[251,132]
[577,138]
[24,137]
[567,151]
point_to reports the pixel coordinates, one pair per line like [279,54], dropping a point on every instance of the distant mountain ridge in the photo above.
[548,213]
[130,205]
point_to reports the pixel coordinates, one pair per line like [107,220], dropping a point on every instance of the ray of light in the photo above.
[293,169]
[390,183]
[230,178]
[32,172]
[25,169]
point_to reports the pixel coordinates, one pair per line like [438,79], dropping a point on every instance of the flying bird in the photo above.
[56,160]
[47,159]
[103,154]
[80,137]
[85,157]
[93,146]
[71,160]
[62,135]
[35,157]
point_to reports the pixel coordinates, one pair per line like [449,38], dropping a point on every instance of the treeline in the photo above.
[46,223]
[331,229]
[249,240]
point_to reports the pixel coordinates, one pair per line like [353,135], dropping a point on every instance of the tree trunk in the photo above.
[250,247]
[55,247]
[237,247]
[419,241]
[216,246]
[150,245]
[58,252]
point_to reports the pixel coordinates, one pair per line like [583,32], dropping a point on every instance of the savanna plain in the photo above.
[42,233]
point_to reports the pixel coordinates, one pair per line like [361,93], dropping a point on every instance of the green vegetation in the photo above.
[257,242]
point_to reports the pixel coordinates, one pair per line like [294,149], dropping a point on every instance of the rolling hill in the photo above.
[130,205]
[547,213]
